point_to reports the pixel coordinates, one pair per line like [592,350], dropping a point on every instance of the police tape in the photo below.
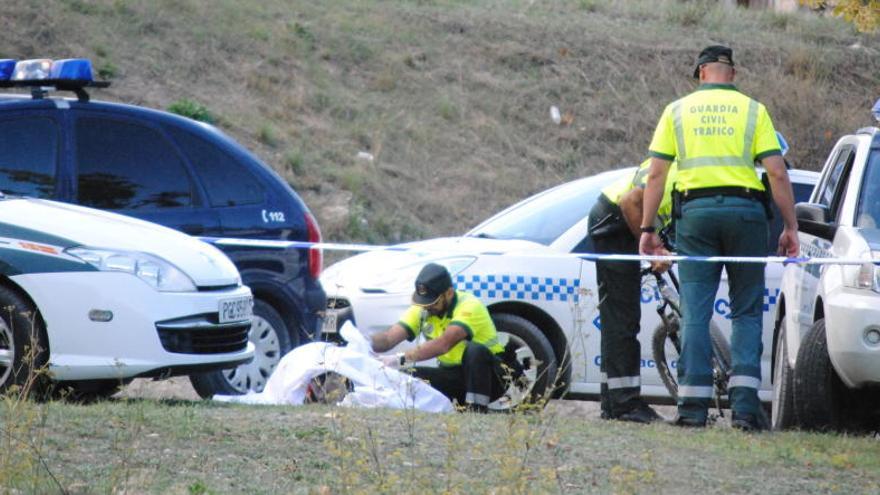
[331,246]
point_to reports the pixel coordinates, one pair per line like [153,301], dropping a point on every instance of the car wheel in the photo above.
[819,391]
[24,346]
[271,340]
[782,412]
[522,339]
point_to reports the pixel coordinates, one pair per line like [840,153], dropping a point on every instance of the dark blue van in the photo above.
[183,174]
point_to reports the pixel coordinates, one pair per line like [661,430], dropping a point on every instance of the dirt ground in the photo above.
[180,388]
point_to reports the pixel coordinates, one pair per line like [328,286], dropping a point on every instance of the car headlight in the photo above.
[156,272]
[866,276]
[403,279]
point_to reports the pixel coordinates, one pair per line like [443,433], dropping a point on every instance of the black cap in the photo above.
[714,53]
[432,281]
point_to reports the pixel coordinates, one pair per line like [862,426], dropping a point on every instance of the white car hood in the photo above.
[394,270]
[203,263]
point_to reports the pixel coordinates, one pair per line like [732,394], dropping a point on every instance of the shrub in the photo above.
[193,110]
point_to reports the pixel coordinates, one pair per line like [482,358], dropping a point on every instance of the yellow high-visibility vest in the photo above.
[716,134]
[468,312]
[620,187]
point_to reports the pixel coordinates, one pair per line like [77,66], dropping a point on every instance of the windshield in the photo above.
[868,209]
[545,216]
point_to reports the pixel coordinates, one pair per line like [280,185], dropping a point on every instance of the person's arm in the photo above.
[631,207]
[783,196]
[650,243]
[439,346]
[385,341]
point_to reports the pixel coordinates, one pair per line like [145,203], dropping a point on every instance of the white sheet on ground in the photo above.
[374,384]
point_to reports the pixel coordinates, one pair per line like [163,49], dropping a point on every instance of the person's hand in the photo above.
[650,243]
[789,245]
[390,360]
[661,266]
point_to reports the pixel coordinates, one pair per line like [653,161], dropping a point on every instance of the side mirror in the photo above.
[815,219]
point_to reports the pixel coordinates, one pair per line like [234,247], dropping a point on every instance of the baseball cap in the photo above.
[432,281]
[713,53]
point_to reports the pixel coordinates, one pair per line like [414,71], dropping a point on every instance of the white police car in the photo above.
[101,298]
[519,263]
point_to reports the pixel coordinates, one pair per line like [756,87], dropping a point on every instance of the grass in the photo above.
[451,97]
[149,446]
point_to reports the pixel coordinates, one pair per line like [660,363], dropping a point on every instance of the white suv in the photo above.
[826,368]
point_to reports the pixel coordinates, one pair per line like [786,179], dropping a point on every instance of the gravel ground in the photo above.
[180,388]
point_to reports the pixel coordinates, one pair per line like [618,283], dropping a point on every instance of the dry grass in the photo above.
[451,98]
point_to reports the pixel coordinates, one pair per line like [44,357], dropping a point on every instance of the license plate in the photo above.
[329,322]
[236,309]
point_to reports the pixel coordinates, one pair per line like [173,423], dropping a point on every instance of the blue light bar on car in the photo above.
[43,75]
[71,69]
[32,70]
[783,144]
[876,110]
[7,66]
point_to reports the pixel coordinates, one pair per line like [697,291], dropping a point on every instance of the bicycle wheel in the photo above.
[666,347]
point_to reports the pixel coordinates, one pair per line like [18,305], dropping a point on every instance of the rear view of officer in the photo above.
[717,134]
[614,229]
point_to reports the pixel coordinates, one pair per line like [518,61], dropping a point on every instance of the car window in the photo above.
[127,166]
[28,156]
[829,185]
[226,180]
[868,207]
[546,216]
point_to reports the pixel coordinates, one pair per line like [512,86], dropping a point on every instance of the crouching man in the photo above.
[460,334]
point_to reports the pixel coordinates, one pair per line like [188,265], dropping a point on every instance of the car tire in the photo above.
[24,345]
[534,353]
[820,393]
[782,413]
[271,337]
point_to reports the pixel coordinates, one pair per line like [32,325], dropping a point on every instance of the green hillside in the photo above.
[451,98]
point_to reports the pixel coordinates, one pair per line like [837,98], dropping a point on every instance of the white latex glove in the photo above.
[390,361]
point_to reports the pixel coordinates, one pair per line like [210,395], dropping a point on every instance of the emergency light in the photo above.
[7,66]
[44,74]
[876,111]
[783,144]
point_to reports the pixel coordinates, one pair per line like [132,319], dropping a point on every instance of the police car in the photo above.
[827,340]
[99,299]
[520,263]
[176,172]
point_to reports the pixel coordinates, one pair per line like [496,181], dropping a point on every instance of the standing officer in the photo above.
[461,335]
[614,229]
[717,134]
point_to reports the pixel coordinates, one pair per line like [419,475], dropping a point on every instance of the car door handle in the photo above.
[193,228]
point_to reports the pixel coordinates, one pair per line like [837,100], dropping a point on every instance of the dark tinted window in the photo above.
[829,187]
[868,209]
[127,166]
[28,154]
[226,180]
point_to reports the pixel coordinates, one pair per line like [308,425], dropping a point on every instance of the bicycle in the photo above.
[666,339]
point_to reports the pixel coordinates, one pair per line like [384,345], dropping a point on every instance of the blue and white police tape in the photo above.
[332,246]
